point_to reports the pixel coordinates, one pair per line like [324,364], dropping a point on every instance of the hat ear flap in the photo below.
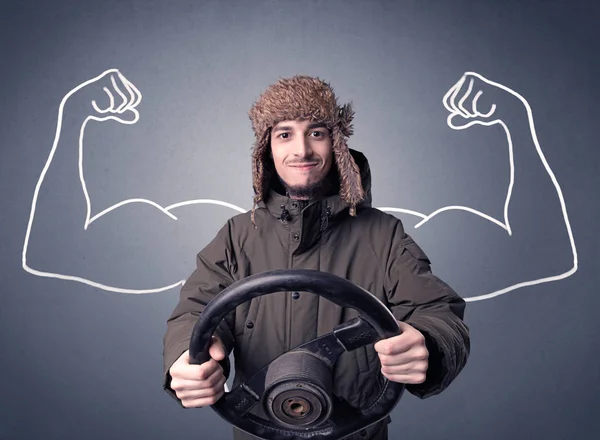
[260,152]
[351,189]
[261,170]
[345,118]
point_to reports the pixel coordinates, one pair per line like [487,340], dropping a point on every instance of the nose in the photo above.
[302,147]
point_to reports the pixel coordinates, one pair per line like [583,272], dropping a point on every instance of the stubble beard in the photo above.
[305,192]
[313,191]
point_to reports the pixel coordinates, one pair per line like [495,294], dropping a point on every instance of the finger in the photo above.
[111,104]
[111,98]
[198,403]
[464,98]
[192,383]
[199,393]
[135,90]
[396,359]
[413,367]
[195,372]
[415,378]
[462,123]
[394,345]
[205,396]
[185,357]
[414,353]
[477,113]
[451,93]
[206,370]
[453,98]
[182,361]
[399,359]
[124,100]
[132,96]
[97,108]
[216,349]
[447,96]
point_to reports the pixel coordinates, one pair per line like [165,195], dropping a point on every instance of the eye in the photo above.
[317,134]
[283,135]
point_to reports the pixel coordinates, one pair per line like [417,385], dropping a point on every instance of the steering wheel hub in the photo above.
[298,389]
[296,407]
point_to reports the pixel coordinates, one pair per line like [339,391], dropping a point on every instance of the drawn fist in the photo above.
[108,96]
[463,101]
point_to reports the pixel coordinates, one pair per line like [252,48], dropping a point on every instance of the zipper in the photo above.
[288,303]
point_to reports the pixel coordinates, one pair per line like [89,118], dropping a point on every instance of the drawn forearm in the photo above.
[59,182]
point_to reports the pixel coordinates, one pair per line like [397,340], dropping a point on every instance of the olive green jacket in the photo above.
[371,250]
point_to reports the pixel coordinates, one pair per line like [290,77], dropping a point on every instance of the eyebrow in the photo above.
[289,128]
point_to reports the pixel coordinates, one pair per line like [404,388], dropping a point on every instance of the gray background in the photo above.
[79,362]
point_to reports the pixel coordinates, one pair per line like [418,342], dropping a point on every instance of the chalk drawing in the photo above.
[453,101]
[477,118]
[116,113]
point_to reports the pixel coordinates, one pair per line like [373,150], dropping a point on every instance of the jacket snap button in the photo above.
[363,433]
[249,324]
[296,237]
[295,295]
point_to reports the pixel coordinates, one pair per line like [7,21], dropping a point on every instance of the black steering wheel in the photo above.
[295,389]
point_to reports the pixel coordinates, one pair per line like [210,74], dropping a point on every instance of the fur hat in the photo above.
[303,98]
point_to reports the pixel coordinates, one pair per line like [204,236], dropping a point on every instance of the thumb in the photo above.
[458,121]
[404,326]
[216,349]
[128,116]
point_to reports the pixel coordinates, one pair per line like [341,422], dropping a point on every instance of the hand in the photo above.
[404,358]
[108,96]
[199,385]
[472,100]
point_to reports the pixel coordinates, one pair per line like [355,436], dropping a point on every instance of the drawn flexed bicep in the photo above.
[129,247]
[518,237]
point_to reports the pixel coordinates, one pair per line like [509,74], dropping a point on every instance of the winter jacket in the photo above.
[371,250]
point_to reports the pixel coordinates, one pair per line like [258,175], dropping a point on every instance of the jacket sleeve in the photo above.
[422,300]
[215,265]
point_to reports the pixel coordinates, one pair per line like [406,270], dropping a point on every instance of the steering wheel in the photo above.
[295,389]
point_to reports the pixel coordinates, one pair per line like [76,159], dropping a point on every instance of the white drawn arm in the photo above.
[463,103]
[62,196]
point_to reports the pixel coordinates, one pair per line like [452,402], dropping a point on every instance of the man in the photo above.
[312,210]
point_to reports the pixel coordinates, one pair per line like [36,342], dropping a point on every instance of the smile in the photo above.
[304,167]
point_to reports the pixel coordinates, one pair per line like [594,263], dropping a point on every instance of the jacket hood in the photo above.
[304,98]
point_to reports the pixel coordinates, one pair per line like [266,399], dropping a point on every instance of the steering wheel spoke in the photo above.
[239,400]
[355,333]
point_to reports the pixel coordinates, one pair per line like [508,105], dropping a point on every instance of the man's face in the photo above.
[302,154]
